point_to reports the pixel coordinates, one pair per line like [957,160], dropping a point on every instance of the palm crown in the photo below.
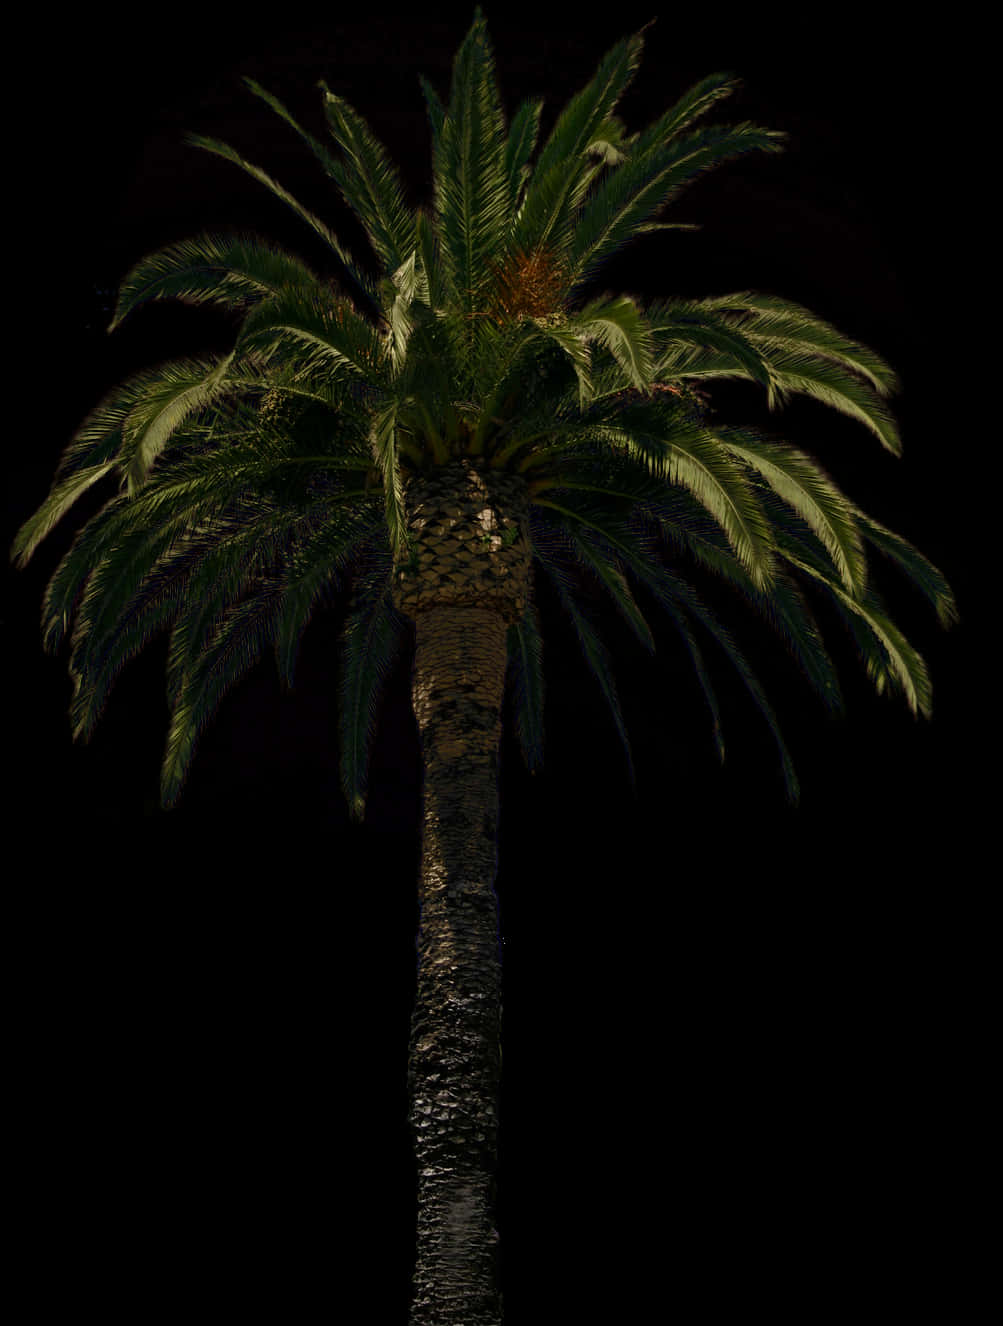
[251,485]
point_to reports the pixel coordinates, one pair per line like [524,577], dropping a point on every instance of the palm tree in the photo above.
[427,436]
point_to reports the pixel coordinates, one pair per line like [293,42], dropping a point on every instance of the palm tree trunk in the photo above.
[455,1061]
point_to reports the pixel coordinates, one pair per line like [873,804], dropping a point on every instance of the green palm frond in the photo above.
[324,336]
[369,183]
[429,249]
[522,135]
[602,563]
[363,283]
[189,496]
[574,343]
[891,660]
[680,593]
[618,326]
[677,323]
[503,374]
[123,434]
[786,610]
[436,112]
[385,444]
[593,649]
[769,318]
[140,588]
[803,355]
[407,280]
[695,102]
[250,487]
[682,524]
[800,482]
[228,654]
[525,654]
[372,636]
[674,594]
[471,185]
[700,668]
[691,456]
[546,218]
[648,179]
[317,566]
[121,526]
[922,572]
[185,388]
[60,499]
[831,386]
[234,272]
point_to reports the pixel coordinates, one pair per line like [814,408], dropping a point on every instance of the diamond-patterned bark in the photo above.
[468,582]
[470,529]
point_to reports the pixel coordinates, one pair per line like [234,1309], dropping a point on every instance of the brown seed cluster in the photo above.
[528,285]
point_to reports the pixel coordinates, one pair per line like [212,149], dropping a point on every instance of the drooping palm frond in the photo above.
[799,481]
[617,325]
[692,459]
[678,598]
[525,654]
[373,635]
[922,572]
[595,652]
[234,272]
[801,353]
[199,680]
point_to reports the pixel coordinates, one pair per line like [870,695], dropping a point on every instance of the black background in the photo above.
[738,1038]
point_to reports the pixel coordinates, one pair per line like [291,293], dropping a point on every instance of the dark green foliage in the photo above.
[253,486]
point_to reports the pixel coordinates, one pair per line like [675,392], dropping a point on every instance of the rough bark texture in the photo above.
[471,539]
[454,1069]
[461,617]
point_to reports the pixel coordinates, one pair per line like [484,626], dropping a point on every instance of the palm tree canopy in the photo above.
[250,486]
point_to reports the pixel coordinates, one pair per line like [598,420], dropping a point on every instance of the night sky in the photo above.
[714,1003]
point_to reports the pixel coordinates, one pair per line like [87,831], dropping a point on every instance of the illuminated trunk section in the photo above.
[455,1064]
[465,585]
